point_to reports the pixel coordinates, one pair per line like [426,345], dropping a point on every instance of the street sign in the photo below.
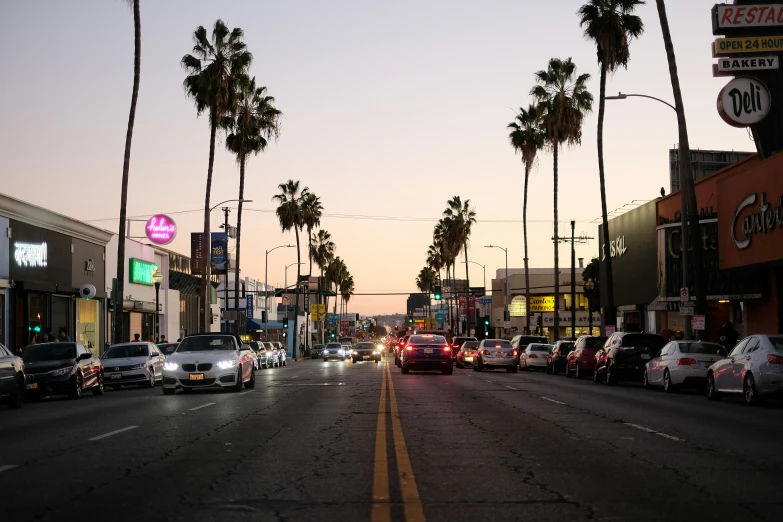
[506,324]
[249,307]
[306,301]
[698,322]
[286,299]
[485,300]
[756,63]
[472,304]
[686,310]
[684,296]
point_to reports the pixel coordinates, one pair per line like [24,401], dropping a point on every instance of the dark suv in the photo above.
[457,343]
[624,356]
[581,361]
[556,362]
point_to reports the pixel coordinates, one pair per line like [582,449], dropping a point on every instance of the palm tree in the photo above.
[289,213]
[435,261]
[322,252]
[333,274]
[425,281]
[346,290]
[126,168]
[463,218]
[311,217]
[687,190]
[564,101]
[214,70]
[611,25]
[254,123]
[527,137]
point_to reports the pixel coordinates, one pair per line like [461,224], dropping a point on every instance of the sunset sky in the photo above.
[390,108]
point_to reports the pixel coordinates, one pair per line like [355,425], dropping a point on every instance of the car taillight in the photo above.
[513,352]
[484,352]
[774,359]
[409,348]
[447,348]
[532,356]
[685,361]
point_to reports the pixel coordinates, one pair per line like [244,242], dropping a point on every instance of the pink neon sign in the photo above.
[161,229]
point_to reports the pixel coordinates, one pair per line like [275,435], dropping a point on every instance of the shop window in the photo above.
[581,302]
[88,324]
[518,306]
[61,305]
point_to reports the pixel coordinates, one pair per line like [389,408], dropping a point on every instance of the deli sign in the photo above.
[744,102]
[727,17]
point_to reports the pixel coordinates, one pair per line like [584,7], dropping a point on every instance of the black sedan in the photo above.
[11,378]
[426,352]
[62,369]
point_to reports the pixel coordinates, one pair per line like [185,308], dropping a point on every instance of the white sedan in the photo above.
[132,363]
[754,368]
[681,363]
[209,360]
[534,356]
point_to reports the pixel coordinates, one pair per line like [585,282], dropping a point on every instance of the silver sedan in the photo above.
[682,363]
[754,368]
[132,363]
[495,353]
[534,356]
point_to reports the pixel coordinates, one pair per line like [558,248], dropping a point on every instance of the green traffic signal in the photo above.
[438,293]
[285,323]
[486,322]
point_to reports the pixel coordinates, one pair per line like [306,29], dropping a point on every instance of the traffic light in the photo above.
[438,293]
[486,321]
[285,334]
[285,323]
[410,319]
[332,335]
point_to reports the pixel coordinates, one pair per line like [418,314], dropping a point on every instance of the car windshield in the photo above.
[703,348]
[207,343]
[365,346]
[594,342]
[269,346]
[649,341]
[126,350]
[334,345]
[427,339]
[49,352]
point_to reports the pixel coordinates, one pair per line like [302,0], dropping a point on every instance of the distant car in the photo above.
[318,351]
[495,353]
[520,342]
[12,378]
[399,347]
[258,353]
[271,355]
[681,363]
[624,356]
[556,362]
[334,351]
[132,363]
[167,348]
[754,368]
[457,342]
[581,361]
[466,353]
[366,351]
[427,352]
[209,360]
[281,353]
[62,369]
[534,356]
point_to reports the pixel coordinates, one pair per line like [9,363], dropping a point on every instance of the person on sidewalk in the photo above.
[728,336]
[63,336]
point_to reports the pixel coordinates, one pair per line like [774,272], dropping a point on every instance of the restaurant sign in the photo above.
[762,219]
[542,303]
[726,18]
[744,102]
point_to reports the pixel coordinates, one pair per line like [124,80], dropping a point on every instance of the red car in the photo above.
[581,361]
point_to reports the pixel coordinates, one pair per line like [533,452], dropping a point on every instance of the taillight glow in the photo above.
[484,352]
[774,359]
[409,348]
[686,361]
[513,352]
[447,348]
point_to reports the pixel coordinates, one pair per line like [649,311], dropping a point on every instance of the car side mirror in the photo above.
[723,353]
[85,356]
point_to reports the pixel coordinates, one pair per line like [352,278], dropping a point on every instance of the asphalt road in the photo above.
[309,443]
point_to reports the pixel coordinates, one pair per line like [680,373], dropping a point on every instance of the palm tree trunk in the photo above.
[296,295]
[691,243]
[467,294]
[610,318]
[524,237]
[205,254]
[557,247]
[117,317]
[239,237]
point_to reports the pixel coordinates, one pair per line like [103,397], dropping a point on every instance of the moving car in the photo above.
[682,363]
[494,353]
[581,361]
[281,353]
[271,355]
[209,360]
[557,359]
[520,342]
[132,363]
[167,348]
[366,351]
[318,351]
[457,342]
[399,347]
[466,353]
[624,356]
[754,368]
[12,378]
[259,354]
[334,351]
[62,369]
[427,352]
[534,356]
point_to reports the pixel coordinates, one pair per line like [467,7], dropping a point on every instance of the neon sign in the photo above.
[161,229]
[141,271]
[32,255]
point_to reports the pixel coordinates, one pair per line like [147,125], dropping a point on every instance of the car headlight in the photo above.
[225,365]
[138,366]
[170,366]
[62,371]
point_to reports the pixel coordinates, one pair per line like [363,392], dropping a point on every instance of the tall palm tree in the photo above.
[463,218]
[435,262]
[333,274]
[289,213]
[611,25]
[564,101]
[425,282]
[322,252]
[255,121]
[215,69]
[312,210]
[126,169]
[687,189]
[528,138]
[346,290]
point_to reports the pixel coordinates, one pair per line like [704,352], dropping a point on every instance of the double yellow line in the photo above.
[381,507]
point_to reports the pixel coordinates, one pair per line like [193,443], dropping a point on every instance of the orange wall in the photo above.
[761,314]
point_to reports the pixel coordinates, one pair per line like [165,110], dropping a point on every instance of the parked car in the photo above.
[466,353]
[682,363]
[12,378]
[754,368]
[581,361]
[366,351]
[457,342]
[624,356]
[209,360]
[556,362]
[281,353]
[495,353]
[61,369]
[258,354]
[132,363]
[427,352]
[167,348]
[271,355]
[520,342]
[534,356]
[334,351]
[318,351]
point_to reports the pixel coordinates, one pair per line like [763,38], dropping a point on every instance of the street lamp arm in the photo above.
[280,246]
[621,96]
[229,201]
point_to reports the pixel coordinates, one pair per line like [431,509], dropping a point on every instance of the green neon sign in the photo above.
[140,272]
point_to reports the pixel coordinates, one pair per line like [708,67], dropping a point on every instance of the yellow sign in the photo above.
[751,44]
[317,311]
[542,303]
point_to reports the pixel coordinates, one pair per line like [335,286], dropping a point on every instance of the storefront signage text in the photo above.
[141,271]
[739,17]
[760,63]
[743,102]
[752,44]
[765,220]
[33,255]
[161,229]
[616,248]
[542,303]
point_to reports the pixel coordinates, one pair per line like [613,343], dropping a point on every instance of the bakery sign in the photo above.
[744,102]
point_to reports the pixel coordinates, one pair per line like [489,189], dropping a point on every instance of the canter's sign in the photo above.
[757,63]
[727,17]
[750,44]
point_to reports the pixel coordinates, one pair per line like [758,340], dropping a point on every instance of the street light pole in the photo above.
[226,211]
[266,289]
[157,278]
[589,285]
[506,316]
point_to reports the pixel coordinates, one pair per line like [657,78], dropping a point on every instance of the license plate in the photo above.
[499,354]
[645,356]
[427,350]
[196,376]
[366,357]
[32,386]
[116,376]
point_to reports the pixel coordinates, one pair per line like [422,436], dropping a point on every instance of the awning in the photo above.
[663,306]
[258,324]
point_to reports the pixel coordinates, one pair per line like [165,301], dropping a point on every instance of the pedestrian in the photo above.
[63,336]
[136,338]
[34,339]
[45,338]
[150,339]
[162,339]
[728,336]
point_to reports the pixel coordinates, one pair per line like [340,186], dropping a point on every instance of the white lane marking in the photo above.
[202,406]
[552,400]
[512,388]
[245,393]
[7,467]
[115,432]
[648,430]
[488,381]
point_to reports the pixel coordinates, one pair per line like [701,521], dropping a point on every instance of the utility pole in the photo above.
[573,240]
[226,211]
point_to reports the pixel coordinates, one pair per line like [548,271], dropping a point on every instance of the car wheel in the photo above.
[554,370]
[577,375]
[187,390]
[749,391]
[326,359]
[16,399]
[238,386]
[596,376]
[712,391]
[169,391]
[343,359]
[285,363]
[151,382]
[404,369]
[377,360]
[353,360]
[479,367]
[508,369]
[460,365]
[645,380]
[98,388]
[668,386]
[610,378]
[75,391]
[252,382]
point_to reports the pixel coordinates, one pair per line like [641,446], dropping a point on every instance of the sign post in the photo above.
[698,322]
